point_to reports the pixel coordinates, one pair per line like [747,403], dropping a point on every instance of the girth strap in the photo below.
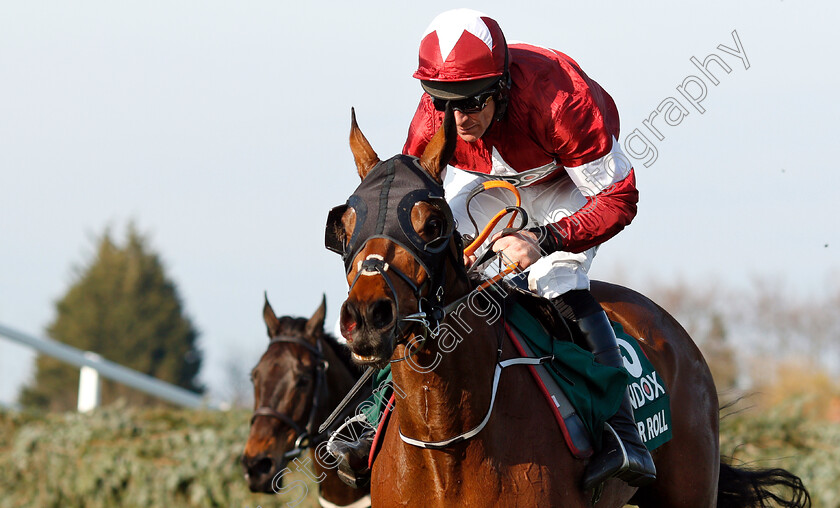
[438,445]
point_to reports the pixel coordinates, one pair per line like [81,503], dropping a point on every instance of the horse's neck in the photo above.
[445,388]
[339,379]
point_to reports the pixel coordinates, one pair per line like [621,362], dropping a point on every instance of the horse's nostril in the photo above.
[261,467]
[381,314]
[348,320]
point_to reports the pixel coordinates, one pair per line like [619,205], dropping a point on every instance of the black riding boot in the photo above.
[353,459]
[622,453]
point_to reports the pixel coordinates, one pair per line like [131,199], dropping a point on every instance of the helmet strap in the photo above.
[503,97]
[504,89]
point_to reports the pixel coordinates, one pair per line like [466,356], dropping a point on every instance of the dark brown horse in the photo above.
[303,374]
[404,264]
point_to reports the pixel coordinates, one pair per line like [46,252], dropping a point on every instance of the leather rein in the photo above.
[431,313]
[304,435]
[431,309]
[433,317]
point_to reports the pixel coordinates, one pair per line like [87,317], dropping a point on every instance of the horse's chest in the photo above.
[406,476]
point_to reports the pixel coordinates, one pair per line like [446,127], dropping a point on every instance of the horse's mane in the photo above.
[536,305]
[343,354]
[296,327]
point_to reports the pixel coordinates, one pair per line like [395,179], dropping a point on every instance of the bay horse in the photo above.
[302,375]
[403,261]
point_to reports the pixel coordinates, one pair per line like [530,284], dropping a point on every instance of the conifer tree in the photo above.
[124,308]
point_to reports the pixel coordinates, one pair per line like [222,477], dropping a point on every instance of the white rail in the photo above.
[93,365]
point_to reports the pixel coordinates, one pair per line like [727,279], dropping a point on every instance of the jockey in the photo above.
[531,116]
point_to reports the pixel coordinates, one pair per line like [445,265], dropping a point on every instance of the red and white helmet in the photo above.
[462,53]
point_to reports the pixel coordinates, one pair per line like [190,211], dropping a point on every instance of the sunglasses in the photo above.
[466,106]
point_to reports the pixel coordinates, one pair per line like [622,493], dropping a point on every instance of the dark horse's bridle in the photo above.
[379,187]
[391,189]
[304,435]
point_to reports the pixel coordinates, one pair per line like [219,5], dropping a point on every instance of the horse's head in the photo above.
[396,234]
[287,383]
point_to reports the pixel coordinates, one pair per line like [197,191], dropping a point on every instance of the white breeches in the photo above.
[555,273]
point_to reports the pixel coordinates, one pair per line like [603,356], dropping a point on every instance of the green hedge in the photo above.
[177,458]
[125,457]
[785,437]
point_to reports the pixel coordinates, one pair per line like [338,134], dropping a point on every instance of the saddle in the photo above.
[581,393]
[530,318]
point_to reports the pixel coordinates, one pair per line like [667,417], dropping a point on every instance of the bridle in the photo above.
[304,435]
[391,188]
[403,181]
[431,307]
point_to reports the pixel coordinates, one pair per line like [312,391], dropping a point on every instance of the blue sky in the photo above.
[221,129]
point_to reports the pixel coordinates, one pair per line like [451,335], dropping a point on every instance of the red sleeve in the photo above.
[585,119]
[602,217]
[584,135]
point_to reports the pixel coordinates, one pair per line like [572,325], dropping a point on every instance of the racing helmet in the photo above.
[462,53]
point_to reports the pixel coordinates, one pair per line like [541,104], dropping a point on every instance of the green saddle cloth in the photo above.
[594,390]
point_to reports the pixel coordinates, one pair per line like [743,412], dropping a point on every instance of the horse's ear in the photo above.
[441,148]
[272,324]
[315,325]
[363,153]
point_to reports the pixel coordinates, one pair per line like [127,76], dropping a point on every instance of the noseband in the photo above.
[304,436]
[397,185]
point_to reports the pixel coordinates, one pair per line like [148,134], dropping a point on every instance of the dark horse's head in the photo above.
[286,380]
[396,234]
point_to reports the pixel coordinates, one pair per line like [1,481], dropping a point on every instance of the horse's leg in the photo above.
[332,488]
[519,459]
[688,465]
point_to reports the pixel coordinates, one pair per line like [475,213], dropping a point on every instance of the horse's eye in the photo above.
[433,227]
[302,381]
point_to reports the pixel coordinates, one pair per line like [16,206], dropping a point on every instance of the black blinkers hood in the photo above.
[383,204]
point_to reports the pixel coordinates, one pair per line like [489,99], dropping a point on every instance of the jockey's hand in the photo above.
[521,247]
[469,260]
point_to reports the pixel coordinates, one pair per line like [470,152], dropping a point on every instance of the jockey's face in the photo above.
[472,126]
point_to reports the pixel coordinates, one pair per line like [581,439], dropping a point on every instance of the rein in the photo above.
[431,310]
[304,436]
[439,314]
[482,235]
[436,313]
